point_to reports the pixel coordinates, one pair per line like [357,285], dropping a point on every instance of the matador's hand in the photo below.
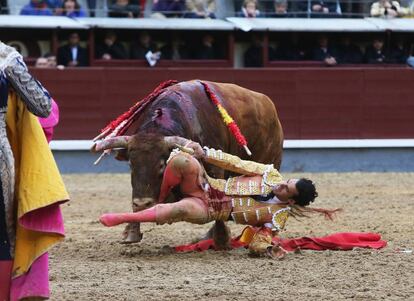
[198,150]
[276,252]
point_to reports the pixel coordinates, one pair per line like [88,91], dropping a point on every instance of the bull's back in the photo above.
[254,113]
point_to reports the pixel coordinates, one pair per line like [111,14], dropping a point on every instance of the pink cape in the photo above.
[35,283]
[50,122]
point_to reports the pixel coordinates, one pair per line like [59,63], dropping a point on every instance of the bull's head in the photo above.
[147,155]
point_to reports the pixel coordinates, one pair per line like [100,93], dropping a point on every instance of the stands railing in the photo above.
[228,8]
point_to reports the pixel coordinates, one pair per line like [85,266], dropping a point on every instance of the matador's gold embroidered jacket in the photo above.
[256,179]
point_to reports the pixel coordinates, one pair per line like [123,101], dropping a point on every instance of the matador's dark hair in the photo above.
[306,192]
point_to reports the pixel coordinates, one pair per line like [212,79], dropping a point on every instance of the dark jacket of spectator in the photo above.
[288,52]
[67,54]
[175,51]
[138,51]
[144,44]
[320,54]
[349,54]
[115,50]
[36,8]
[169,7]
[397,55]
[123,9]
[375,56]
[208,49]
[253,57]
[319,9]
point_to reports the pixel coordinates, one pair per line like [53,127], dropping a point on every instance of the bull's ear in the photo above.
[122,155]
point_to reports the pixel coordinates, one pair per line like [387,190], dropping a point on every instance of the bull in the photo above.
[186,110]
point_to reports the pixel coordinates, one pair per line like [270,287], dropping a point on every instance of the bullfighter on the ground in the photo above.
[259,197]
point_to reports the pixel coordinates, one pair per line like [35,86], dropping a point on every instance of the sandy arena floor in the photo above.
[91,265]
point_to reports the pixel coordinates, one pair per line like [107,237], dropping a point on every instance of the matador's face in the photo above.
[286,190]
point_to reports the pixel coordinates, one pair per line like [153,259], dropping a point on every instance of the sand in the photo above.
[91,264]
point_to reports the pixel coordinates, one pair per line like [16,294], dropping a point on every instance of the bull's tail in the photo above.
[228,120]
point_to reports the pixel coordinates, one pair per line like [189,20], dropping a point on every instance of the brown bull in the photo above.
[186,110]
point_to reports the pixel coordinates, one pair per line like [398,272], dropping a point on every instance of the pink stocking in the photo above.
[5,279]
[113,219]
[170,179]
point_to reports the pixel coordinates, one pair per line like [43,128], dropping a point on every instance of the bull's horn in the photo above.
[185,149]
[173,140]
[110,143]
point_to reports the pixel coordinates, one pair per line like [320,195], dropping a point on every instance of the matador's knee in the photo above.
[169,213]
[182,164]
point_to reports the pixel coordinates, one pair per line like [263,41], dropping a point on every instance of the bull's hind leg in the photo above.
[221,235]
[219,232]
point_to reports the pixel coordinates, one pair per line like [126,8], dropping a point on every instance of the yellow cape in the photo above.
[38,181]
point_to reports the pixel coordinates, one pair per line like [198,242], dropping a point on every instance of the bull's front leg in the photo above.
[132,232]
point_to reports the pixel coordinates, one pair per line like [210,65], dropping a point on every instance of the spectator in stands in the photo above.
[72,54]
[207,50]
[290,50]
[54,4]
[48,61]
[320,8]
[176,49]
[398,53]
[91,7]
[375,53]
[71,9]
[168,8]
[36,8]
[41,62]
[111,48]
[123,9]
[3,7]
[253,56]
[144,44]
[385,9]
[200,9]
[280,10]
[324,52]
[249,10]
[348,52]
[51,60]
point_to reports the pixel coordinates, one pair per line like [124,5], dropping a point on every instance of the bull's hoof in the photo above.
[131,235]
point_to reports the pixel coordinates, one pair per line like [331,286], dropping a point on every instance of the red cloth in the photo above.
[337,241]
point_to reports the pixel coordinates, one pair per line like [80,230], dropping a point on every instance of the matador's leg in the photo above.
[183,170]
[192,210]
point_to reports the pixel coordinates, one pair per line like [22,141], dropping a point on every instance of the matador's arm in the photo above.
[32,93]
[224,160]
[237,165]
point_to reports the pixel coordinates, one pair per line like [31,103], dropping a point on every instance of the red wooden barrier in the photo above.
[313,103]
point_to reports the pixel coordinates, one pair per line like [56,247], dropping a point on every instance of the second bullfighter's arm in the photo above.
[32,93]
